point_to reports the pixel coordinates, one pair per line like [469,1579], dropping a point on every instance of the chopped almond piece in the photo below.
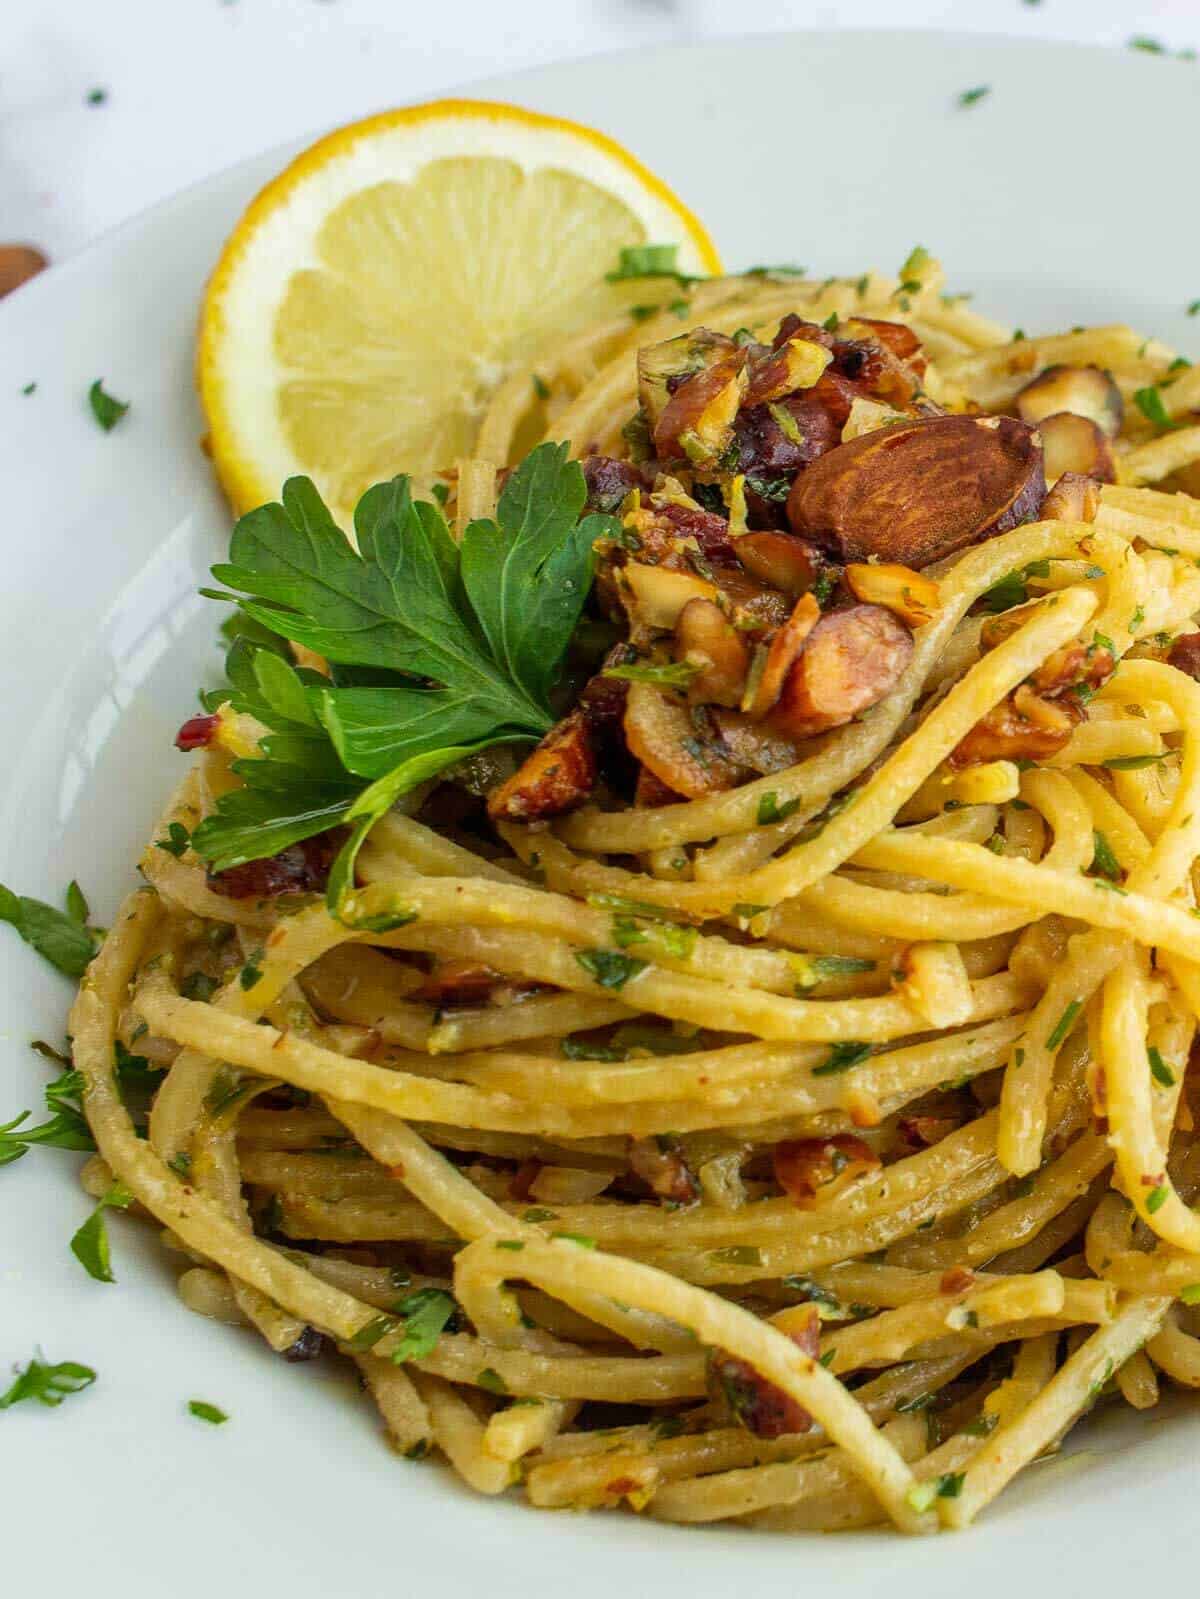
[19,263]
[781,559]
[794,365]
[1083,391]
[698,419]
[897,337]
[661,734]
[920,1132]
[650,792]
[1185,654]
[851,659]
[1017,729]
[868,416]
[1074,666]
[664,1170]
[656,594]
[1076,444]
[766,684]
[1074,498]
[754,745]
[705,639]
[911,596]
[662,369]
[559,773]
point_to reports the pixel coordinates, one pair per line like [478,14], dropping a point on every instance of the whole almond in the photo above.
[19,263]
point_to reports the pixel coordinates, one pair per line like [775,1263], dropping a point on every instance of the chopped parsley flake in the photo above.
[1064,1024]
[1133,763]
[1104,860]
[648,261]
[90,1243]
[609,967]
[770,810]
[1149,402]
[49,1385]
[1159,1069]
[426,1314]
[107,410]
[737,1255]
[177,840]
[841,1058]
[664,674]
[203,1411]
[251,972]
[370,1333]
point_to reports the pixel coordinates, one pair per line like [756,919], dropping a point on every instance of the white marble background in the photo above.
[109,105]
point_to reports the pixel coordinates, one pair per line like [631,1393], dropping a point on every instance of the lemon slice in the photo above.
[374,294]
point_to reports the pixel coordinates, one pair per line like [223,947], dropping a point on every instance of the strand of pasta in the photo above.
[1175,1351]
[731,1493]
[1055,1187]
[993,377]
[907,1071]
[1157,872]
[449,1195]
[195,1219]
[903,915]
[890,1336]
[700,1001]
[840,1510]
[560,1266]
[1110,1254]
[1068,1393]
[472,902]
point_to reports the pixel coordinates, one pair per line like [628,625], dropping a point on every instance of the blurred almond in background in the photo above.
[19,263]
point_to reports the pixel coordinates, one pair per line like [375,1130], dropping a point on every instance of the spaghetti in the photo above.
[811,1084]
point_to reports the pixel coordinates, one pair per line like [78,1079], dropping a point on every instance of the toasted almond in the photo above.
[913,597]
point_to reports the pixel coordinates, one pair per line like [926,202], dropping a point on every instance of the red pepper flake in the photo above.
[957,1280]
[803,1165]
[197,733]
[524,1178]
[622,1485]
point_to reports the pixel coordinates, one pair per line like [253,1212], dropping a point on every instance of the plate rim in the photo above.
[944,1569]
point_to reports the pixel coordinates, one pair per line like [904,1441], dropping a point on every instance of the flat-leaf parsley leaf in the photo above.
[436,649]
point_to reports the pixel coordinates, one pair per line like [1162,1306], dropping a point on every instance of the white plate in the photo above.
[1057,200]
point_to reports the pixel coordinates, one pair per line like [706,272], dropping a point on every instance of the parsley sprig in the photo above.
[436,649]
[66,1128]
